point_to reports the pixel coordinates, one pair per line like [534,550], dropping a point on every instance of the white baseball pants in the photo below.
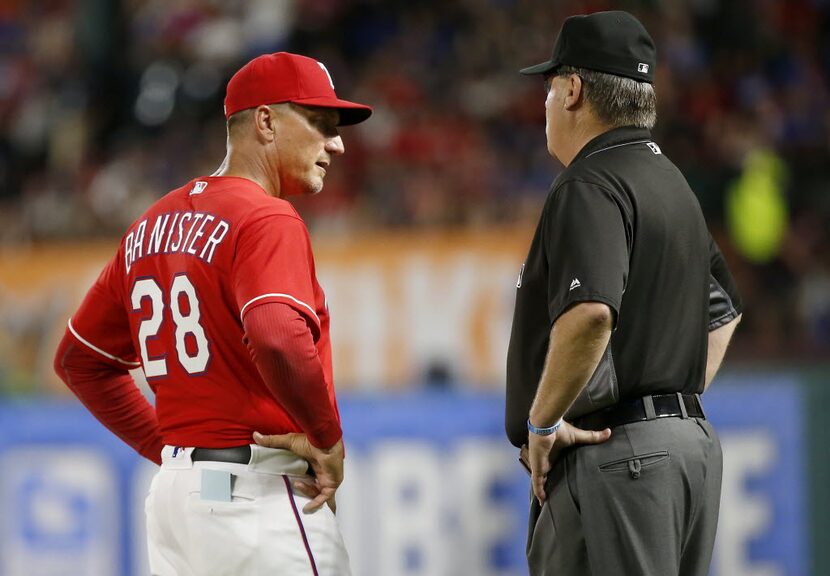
[261,531]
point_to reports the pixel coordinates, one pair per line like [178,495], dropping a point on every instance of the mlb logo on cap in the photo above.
[642,67]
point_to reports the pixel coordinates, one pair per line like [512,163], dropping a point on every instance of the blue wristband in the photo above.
[543,431]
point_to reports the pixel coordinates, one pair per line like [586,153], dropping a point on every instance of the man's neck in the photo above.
[585,131]
[241,167]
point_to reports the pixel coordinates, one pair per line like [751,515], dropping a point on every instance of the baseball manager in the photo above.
[213,292]
[624,310]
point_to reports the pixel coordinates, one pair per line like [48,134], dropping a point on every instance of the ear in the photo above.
[573,92]
[264,123]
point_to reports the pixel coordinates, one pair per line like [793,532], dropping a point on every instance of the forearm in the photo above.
[718,343]
[577,342]
[111,395]
[284,353]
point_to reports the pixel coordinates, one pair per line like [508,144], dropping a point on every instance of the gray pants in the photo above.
[643,503]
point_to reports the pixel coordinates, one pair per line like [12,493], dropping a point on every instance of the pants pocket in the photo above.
[224,536]
[634,465]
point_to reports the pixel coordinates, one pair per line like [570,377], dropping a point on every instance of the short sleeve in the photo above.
[274,263]
[586,246]
[724,301]
[101,323]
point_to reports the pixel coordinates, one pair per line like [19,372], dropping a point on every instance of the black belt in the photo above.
[236,455]
[640,409]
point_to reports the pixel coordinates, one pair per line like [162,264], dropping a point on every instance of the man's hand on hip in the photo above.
[327,465]
[542,450]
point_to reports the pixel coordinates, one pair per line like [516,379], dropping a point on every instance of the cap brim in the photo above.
[543,68]
[350,112]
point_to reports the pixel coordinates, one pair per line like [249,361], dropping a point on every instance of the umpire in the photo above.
[624,309]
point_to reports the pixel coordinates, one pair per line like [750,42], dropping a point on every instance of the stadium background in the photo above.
[419,235]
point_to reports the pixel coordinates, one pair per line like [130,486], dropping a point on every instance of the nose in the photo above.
[335,145]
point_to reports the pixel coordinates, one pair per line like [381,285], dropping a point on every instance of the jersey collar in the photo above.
[612,138]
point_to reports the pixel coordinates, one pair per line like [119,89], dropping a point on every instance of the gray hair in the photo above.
[617,101]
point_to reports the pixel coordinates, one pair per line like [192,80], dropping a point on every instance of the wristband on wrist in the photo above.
[543,431]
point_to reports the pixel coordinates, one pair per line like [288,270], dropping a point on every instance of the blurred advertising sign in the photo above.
[63,511]
[432,487]
[405,307]
[61,492]
[763,528]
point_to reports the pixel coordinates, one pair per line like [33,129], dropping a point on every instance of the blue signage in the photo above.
[432,487]
[763,522]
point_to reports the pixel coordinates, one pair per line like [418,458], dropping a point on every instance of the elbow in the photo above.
[71,362]
[594,318]
[59,362]
[597,316]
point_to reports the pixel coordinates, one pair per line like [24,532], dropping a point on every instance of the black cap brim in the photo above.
[352,116]
[543,68]
[350,112]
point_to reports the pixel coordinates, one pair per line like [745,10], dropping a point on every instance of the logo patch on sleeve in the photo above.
[198,187]
[575,283]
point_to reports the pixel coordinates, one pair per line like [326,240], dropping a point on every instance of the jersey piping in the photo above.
[616,146]
[96,349]
[300,302]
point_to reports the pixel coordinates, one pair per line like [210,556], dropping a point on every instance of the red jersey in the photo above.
[174,297]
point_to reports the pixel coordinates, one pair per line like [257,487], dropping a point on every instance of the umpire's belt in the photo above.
[641,409]
[235,455]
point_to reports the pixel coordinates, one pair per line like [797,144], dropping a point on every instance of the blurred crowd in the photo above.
[106,105]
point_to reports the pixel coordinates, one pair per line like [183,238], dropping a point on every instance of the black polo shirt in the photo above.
[620,226]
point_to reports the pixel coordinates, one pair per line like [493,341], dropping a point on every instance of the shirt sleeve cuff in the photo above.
[325,436]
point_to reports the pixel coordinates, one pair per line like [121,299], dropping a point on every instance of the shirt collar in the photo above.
[612,138]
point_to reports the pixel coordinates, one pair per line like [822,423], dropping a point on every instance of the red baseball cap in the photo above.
[286,77]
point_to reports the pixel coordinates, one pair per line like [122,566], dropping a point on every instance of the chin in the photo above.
[308,187]
[302,191]
[315,186]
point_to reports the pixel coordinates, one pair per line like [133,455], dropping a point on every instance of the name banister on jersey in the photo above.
[194,233]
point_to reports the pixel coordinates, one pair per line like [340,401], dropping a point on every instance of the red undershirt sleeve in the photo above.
[282,348]
[111,395]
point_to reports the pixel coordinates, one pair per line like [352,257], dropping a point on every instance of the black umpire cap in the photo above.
[612,42]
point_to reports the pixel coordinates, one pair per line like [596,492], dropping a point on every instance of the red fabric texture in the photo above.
[276,264]
[283,350]
[175,291]
[111,395]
